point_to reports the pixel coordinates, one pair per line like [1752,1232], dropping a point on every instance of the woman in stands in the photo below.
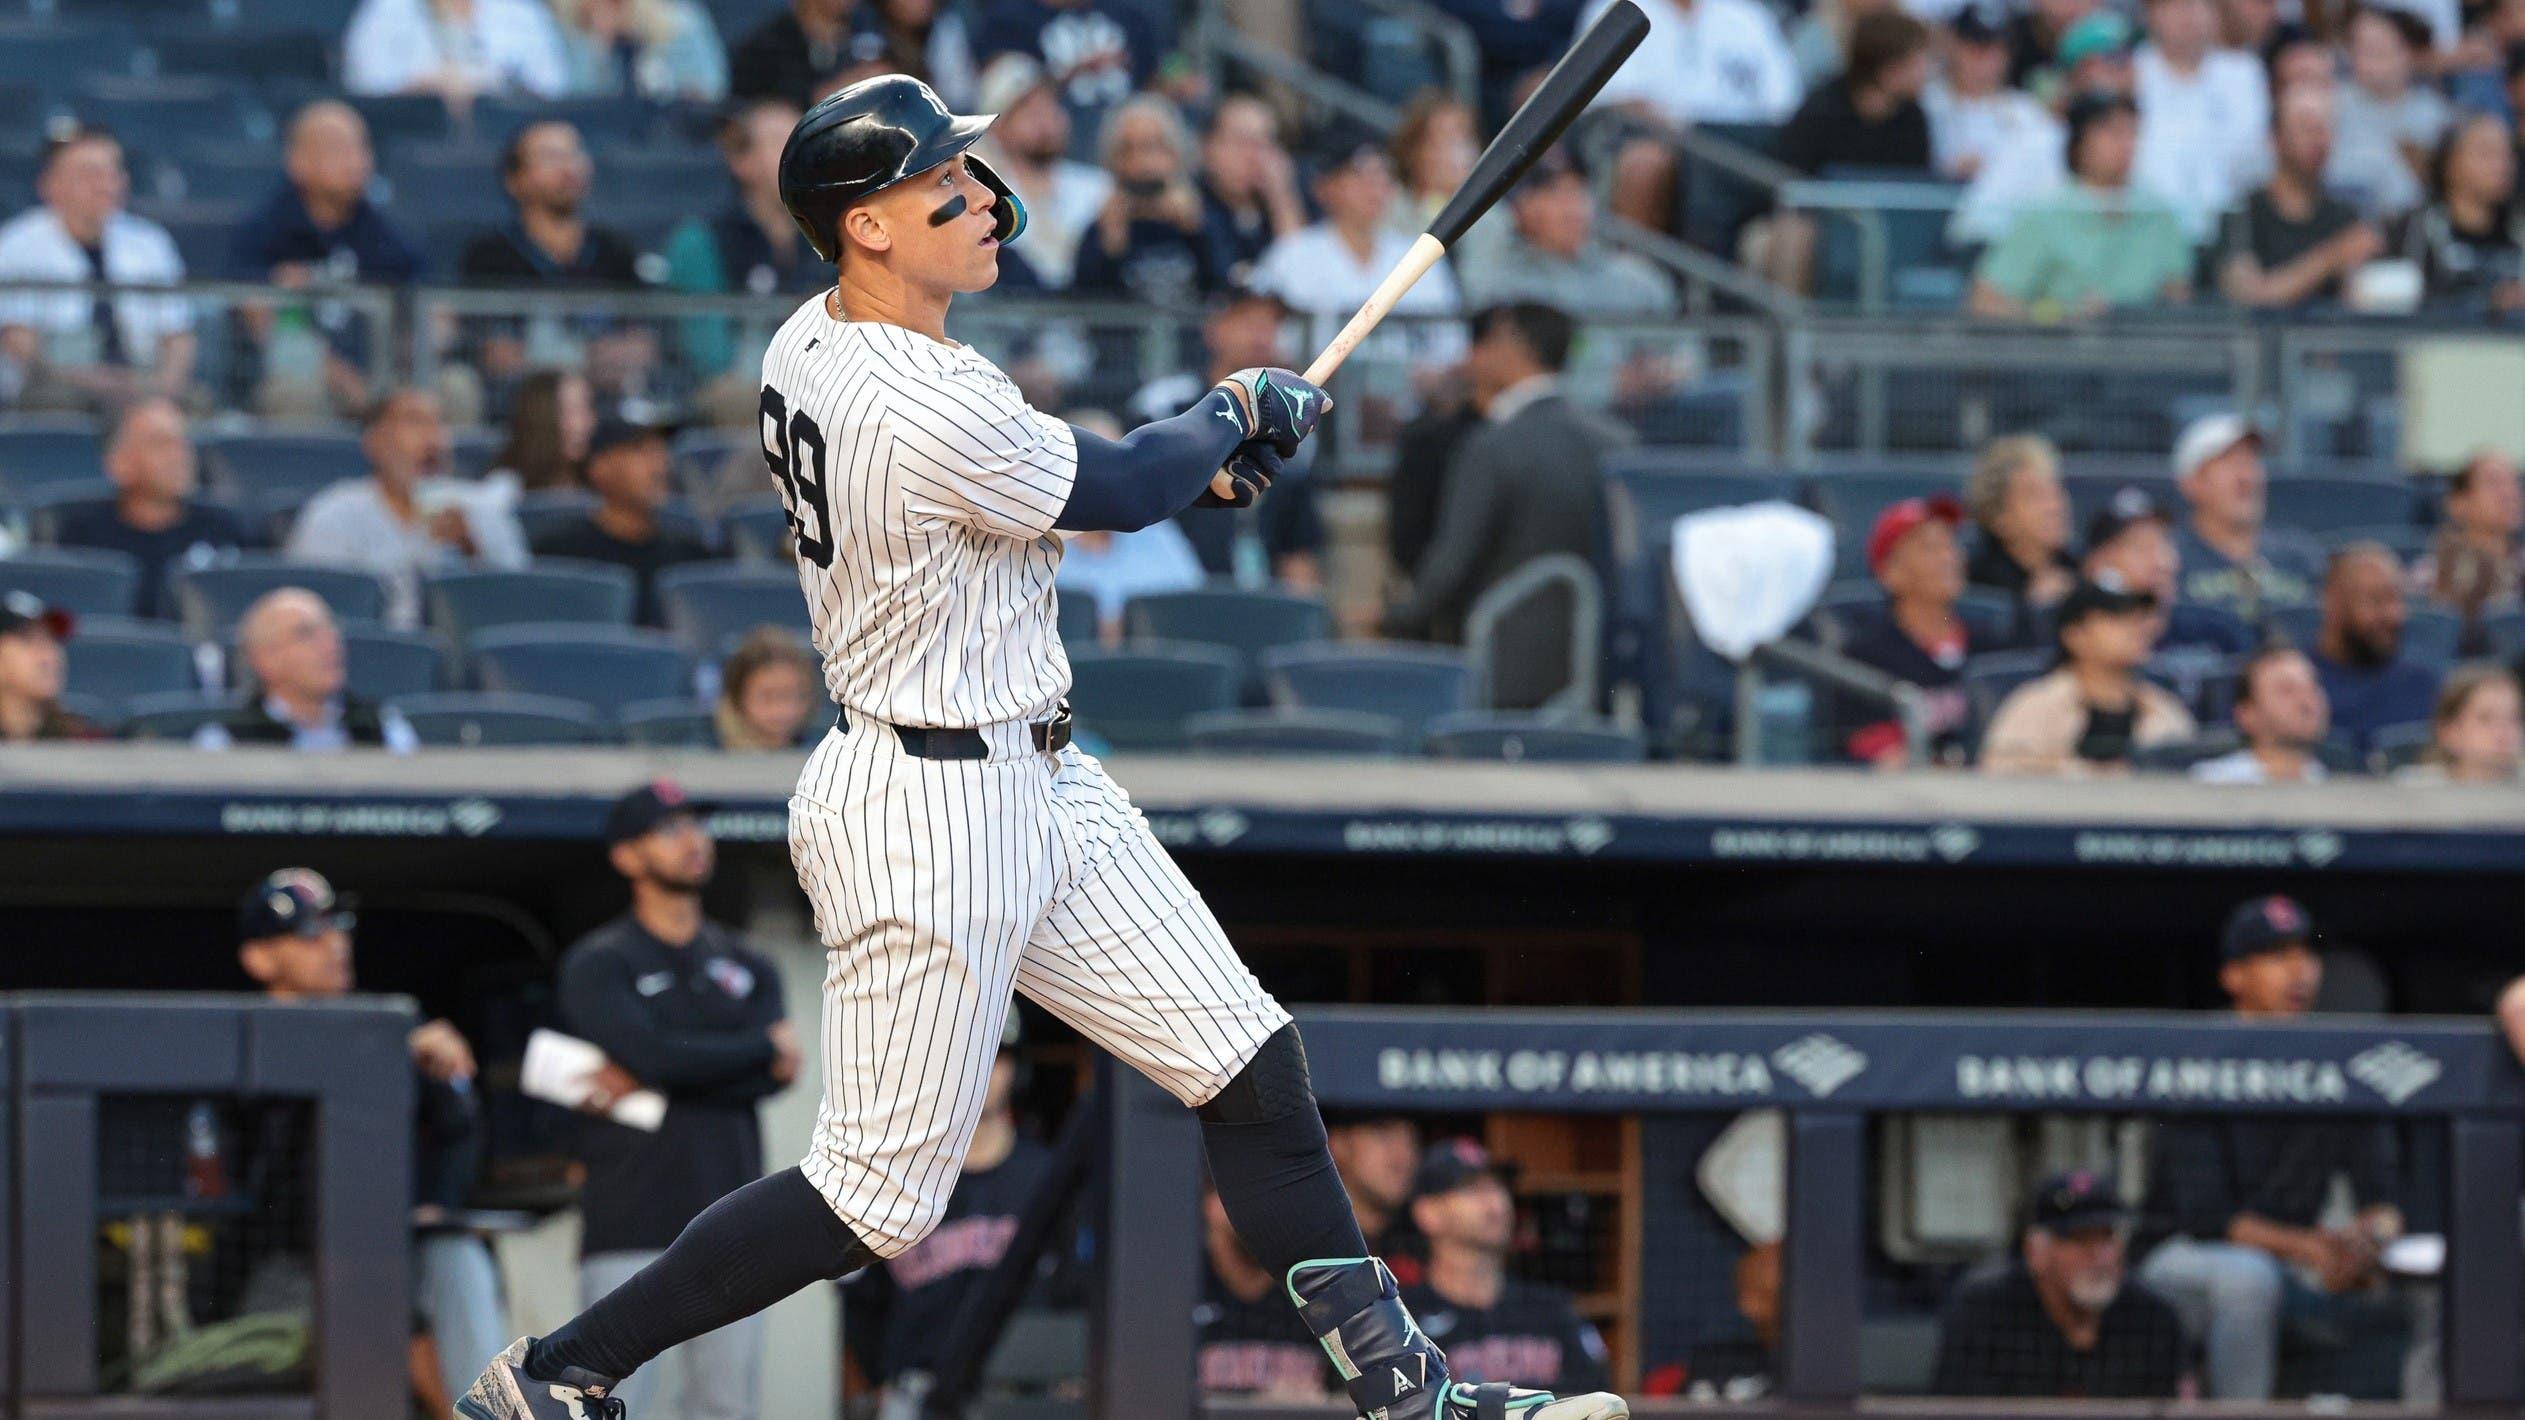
[1434,148]
[548,430]
[2469,241]
[31,668]
[2088,716]
[651,49]
[2477,734]
[767,692]
[2022,514]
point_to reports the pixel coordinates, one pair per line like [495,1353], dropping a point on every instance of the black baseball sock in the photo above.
[768,1239]
[1273,1170]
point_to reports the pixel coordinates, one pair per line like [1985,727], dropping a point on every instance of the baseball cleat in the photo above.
[1395,1372]
[505,1392]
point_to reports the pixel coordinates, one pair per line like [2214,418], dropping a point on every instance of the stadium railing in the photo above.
[2075,1083]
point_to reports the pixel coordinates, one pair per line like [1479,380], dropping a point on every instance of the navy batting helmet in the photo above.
[870,136]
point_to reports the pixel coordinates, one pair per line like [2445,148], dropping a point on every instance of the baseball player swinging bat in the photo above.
[1537,124]
[956,847]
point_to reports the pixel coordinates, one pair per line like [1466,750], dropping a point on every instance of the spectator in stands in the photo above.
[1377,1154]
[154,517]
[1527,484]
[2229,559]
[403,522]
[1554,257]
[1109,569]
[1150,245]
[663,50]
[1096,52]
[685,1007]
[294,940]
[929,41]
[1870,117]
[31,670]
[1029,146]
[1247,1340]
[2474,562]
[2208,107]
[73,350]
[750,245]
[550,420]
[768,692]
[2061,1320]
[2086,717]
[318,229]
[2131,538]
[1915,637]
[630,472]
[2292,243]
[1282,537]
[2039,38]
[2245,1197]
[2477,733]
[1331,267]
[2369,679]
[2029,165]
[2283,715]
[1973,112]
[455,49]
[2098,242]
[794,54]
[1249,184]
[1494,1327]
[2470,240]
[1704,61]
[912,1299]
[550,242]
[1433,148]
[2386,120]
[295,691]
[2022,515]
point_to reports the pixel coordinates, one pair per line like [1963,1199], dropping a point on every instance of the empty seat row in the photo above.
[1148,696]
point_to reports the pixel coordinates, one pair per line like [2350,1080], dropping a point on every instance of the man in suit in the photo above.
[1524,484]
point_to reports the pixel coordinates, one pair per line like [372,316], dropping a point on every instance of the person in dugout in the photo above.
[1494,1327]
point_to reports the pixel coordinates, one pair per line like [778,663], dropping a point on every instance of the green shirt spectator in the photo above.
[2096,244]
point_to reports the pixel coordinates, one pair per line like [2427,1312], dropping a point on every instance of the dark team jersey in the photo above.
[921,1288]
[1532,1337]
[1996,1339]
[1257,1347]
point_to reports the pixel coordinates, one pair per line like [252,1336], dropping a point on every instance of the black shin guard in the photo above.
[1274,1173]
[750,1249]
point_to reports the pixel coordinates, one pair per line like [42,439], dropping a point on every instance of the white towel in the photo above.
[1749,574]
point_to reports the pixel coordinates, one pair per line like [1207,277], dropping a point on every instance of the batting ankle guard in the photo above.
[1352,1305]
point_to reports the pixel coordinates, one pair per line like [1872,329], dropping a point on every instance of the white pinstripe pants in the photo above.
[940,886]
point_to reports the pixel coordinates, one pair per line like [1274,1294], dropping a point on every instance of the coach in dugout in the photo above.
[2061,1319]
[683,1006]
[1492,1326]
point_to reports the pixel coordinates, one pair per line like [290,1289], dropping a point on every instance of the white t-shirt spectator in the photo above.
[35,246]
[507,46]
[2204,138]
[1314,272]
[1714,61]
[1973,131]
[2368,168]
[349,525]
[1112,568]
[1058,216]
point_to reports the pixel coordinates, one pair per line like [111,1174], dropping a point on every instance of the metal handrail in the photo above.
[1809,661]
[1586,623]
[1701,271]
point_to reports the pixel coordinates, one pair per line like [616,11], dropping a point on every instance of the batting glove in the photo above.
[1252,468]
[1278,406]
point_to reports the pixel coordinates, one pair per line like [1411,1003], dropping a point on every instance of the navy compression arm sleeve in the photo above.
[1151,473]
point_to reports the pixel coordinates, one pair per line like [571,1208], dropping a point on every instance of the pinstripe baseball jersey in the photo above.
[921,492]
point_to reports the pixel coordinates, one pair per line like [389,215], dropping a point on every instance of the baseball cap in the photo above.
[2103,595]
[1450,1165]
[617,427]
[2129,506]
[1006,80]
[294,902]
[638,813]
[2075,1200]
[2096,32]
[1557,162]
[1343,145]
[1904,518]
[1980,22]
[21,609]
[2264,924]
[2209,436]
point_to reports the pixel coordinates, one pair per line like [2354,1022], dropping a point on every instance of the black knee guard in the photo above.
[1272,1085]
[1270,1162]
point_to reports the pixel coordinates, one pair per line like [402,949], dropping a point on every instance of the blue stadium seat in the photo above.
[53,56]
[555,509]
[469,718]
[465,605]
[176,716]
[121,659]
[2408,540]
[1714,203]
[603,121]
[223,176]
[2088,493]
[83,581]
[2504,635]
[106,715]
[1654,497]
[209,600]
[759,528]
[2297,625]
[269,55]
[669,724]
[1295,732]
[263,466]
[202,231]
[2323,505]
[709,603]
[1081,628]
[1140,698]
[1539,739]
[1243,620]
[609,667]
[1989,678]
[2400,746]
[394,120]
[380,664]
[35,455]
[203,109]
[2178,756]
[1414,684]
[2432,634]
